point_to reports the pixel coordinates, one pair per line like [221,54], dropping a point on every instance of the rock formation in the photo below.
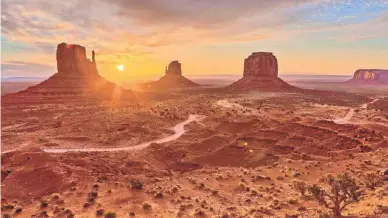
[261,64]
[370,76]
[72,59]
[260,73]
[174,68]
[173,79]
[76,76]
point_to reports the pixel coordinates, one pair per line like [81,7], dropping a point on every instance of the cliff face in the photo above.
[370,76]
[76,76]
[260,73]
[174,68]
[72,59]
[261,64]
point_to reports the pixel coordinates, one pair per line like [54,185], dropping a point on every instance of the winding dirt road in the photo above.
[179,130]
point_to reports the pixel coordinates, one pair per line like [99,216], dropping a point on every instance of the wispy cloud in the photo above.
[134,28]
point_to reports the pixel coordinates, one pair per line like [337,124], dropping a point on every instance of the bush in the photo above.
[110,215]
[341,192]
[100,212]
[300,187]
[43,204]
[93,194]
[372,181]
[136,184]
[19,210]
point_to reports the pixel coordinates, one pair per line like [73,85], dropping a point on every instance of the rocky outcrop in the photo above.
[72,59]
[370,76]
[261,64]
[173,79]
[76,76]
[260,73]
[174,68]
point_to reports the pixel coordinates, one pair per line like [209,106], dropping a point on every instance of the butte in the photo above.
[173,79]
[77,79]
[369,77]
[260,73]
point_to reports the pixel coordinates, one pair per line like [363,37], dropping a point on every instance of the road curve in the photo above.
[179,130]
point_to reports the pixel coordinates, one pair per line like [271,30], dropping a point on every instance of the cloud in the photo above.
[26,68]
[145,28]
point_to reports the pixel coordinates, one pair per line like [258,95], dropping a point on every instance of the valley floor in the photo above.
[238,160]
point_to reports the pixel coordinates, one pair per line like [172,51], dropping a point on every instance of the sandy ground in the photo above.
[238,160]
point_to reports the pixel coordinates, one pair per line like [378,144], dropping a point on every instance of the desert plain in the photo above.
[196,152]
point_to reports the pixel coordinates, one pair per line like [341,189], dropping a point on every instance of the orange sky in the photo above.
[207,37]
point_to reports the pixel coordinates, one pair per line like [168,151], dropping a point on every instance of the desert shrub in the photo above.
[372,181]
[300,187]
[110,215]
[342,190]
[43,203]
[6,215]
[93,194]
[19,210]
[136,184]
[100,212]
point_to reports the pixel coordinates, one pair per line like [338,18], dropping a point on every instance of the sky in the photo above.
[208,37]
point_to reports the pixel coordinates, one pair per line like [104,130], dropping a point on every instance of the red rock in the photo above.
[76,76]
[370,76]
[260,73]
[173,79]
[261,64]
[174,68]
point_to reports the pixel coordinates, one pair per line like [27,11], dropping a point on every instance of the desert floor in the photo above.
[238,159]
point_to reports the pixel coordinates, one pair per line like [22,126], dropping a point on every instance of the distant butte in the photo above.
[173,79]
[77,76]
[370,76]
[260,73]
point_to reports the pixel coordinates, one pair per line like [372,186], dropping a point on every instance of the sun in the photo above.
[120,67]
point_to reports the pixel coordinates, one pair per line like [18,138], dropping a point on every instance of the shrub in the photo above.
[100,212]
[43,204]
[110,215]
[93,194]
[372,181]
[136,184]
[19,210]
[300,187]
[341,192]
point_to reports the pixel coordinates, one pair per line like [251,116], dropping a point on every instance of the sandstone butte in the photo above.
[77,76]
[260,73]
[370,76]
[173,79]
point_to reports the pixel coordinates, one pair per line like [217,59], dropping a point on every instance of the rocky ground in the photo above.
[239,161]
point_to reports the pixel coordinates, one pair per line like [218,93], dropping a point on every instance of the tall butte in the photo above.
[260,73]
[173,79]
[77,76]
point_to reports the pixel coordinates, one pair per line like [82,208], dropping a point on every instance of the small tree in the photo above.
[300,187]
[342,191]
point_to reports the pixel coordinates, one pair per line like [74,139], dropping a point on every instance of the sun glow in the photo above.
[120,67]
